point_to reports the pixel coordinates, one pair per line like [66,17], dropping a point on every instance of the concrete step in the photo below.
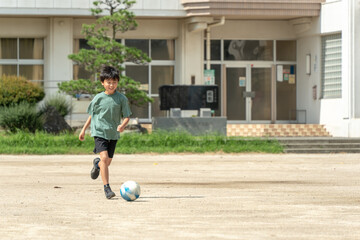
[320,145]
[322,150]
[317,140]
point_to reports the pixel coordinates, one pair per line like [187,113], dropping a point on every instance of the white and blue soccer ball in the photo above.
[130,190]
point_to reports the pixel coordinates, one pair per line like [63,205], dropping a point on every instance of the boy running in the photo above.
[106,110]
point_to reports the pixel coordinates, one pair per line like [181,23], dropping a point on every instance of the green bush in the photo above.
[15,89]
[21,117]
[59,102]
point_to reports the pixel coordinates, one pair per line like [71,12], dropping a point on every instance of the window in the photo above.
[79,72]
[158,72]
[23,57]
[215,50]
[140,74]
[248,50]
[286,50]
[331,66]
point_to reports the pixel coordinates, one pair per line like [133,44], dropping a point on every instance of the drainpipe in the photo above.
[210,25]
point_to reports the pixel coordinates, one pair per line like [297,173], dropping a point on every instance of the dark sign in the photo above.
[188,97]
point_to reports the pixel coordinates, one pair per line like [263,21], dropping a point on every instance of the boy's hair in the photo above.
[109,73]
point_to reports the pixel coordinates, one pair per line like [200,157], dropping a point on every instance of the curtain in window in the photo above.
[76,48]
[171,49]
[38,53]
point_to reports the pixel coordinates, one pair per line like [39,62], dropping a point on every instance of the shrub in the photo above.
[59,102]
[15,89]
[23,116]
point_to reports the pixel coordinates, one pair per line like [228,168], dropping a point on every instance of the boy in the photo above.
[106,110]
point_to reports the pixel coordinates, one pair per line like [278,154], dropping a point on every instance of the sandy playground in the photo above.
[209,196]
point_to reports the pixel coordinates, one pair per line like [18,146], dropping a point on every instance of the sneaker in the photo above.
[95,170]
[109,193]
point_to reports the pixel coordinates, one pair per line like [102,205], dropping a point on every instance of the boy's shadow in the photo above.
[143,199]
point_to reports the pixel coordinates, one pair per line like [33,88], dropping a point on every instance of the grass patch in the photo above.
[131,143]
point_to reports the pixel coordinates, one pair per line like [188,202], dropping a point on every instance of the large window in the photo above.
[79,72]
[248,50]
[331,66]
[23,57]
[159,71]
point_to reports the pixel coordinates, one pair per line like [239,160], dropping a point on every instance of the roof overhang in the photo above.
[253,9]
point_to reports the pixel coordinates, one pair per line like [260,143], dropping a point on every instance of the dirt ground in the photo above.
[243,196]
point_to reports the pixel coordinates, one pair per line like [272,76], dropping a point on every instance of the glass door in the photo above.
[261,98]
[236,80]
[248,93]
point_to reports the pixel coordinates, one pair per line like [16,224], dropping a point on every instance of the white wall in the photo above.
[46,3]
[162,8]
[335,113]
[158,4]
[140,4]
[305,83]
[356,59]
[60,45]
[340,116]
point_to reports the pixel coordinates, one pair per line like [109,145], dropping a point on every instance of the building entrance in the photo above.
[248,95]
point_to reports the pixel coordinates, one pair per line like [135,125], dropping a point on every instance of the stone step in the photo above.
[317,140]
[323,150]
[320,145]
[325,145]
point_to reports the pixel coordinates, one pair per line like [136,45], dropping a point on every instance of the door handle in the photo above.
[248,94]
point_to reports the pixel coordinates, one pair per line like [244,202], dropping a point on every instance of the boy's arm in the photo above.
[86,125]
[122,126]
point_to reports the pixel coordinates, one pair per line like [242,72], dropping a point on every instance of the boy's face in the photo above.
[110,86]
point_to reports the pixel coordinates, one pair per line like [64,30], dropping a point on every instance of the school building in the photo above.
[279,64]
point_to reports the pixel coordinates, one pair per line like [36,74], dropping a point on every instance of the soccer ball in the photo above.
[130,190]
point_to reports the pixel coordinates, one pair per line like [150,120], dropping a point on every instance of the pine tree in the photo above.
[107,50]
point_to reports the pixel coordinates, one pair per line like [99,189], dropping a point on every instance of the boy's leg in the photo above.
[104,164]
[104,171]
[94,173]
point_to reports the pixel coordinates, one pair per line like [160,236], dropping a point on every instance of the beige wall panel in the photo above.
[253,30]
[146,29]
[24,27]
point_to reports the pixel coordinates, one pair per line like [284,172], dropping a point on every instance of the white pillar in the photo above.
[60,45]
[193,55]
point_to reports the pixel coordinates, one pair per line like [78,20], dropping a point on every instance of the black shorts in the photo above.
[102,144]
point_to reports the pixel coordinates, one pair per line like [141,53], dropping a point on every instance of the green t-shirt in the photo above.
[106,112]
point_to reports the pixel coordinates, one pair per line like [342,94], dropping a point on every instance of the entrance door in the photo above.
[248,93]
[236,82]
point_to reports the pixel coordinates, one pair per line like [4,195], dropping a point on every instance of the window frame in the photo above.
[21,62]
